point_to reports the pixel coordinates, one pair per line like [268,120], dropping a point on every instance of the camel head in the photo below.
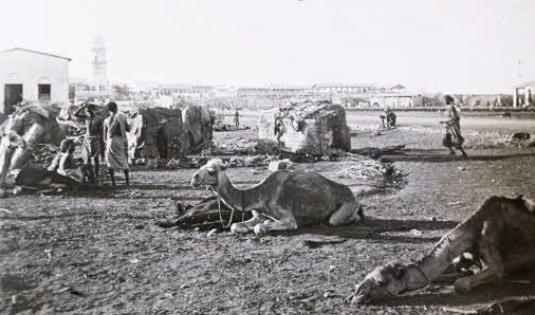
[389,280]
[527,203]
[208,174]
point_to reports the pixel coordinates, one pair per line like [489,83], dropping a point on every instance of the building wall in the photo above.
[392,101]
[31,69]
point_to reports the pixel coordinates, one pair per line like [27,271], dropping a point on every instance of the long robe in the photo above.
[453,127]
[115,128]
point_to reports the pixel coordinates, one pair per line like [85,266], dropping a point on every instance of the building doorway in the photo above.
[43,92]
[12,96]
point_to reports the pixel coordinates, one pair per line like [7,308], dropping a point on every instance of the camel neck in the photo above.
[232,195]
[416,278]
[450,246]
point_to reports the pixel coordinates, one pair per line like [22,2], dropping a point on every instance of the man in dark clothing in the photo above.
[237,119]
[453,137]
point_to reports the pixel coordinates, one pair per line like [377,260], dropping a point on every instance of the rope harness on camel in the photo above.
[223,224]
[232,209]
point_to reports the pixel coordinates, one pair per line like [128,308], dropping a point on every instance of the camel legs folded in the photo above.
[490,252]
[285,224]
[247,226]
[347,213]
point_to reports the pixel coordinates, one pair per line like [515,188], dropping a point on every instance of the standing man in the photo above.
[237,119]
[115,129]
[453,137]
[93,141]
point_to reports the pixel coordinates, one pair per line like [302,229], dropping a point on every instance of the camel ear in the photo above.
[529,204]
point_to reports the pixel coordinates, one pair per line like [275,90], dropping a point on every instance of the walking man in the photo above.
[453,137]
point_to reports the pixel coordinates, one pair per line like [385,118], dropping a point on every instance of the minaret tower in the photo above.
[99,62]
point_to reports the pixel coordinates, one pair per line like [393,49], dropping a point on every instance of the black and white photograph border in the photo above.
[267,157]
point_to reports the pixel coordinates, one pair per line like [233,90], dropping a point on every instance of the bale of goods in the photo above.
[198,123]
[164,123]
[314,128]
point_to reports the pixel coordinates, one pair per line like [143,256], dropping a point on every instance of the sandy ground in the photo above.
[99,252]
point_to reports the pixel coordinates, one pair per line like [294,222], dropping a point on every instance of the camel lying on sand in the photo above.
[285,200]
[500,233]
[29,125]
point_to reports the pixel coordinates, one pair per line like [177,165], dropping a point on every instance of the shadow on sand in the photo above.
[437,156]
[482,295]
[377,229]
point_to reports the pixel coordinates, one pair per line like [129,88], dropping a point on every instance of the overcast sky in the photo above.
[449,46]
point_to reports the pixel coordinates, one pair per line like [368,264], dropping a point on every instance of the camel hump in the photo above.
[314,179]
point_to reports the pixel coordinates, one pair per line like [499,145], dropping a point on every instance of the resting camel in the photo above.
[500,233]
[285,200]
[29,125]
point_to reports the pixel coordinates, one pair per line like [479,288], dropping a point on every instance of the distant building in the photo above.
[347,89]
[194,92]
[32,75]
[349,95]
[274,92]
[393,100]
[523,94]
[97,88]
[99,62]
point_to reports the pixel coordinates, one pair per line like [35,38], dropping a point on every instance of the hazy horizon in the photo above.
[473,46]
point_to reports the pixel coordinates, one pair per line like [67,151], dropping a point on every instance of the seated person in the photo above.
[64,163]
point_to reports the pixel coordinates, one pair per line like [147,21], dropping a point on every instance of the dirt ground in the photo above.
[99,252]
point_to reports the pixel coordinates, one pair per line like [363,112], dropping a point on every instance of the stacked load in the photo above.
[163,123]
[312,128]
[164,133]
[198,122]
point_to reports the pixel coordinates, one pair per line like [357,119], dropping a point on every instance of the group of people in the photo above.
[115,143]
[115,127]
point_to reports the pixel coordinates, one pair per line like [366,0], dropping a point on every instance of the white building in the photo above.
[33,76]
[523,94]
